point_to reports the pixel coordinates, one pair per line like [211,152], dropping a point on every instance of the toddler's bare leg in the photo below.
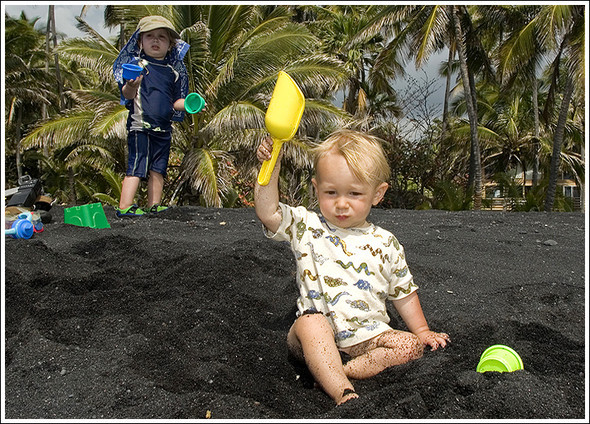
[128,190]
[384,351]
[311,338]
[155,188]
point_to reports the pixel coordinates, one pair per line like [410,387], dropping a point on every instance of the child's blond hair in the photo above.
[363,153]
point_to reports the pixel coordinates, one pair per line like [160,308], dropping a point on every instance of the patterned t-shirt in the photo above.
[347,274]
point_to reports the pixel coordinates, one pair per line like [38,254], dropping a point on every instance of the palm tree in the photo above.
[519,57]
[469,92]
[89,136]
[28,86]
[519,41]
[338,27]
[506,131]
[562,26]
[51,35]
[235,56]
[424,29]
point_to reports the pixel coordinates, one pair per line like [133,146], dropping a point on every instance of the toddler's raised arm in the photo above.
[266,198]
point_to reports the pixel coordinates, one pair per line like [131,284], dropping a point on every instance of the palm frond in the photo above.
[95,35]
[259,51]
[318,75]
[321,117]
[61,131]
[98,57]
[518,50]
[201,166]
[431,34]
[111,122]
[107,199]
[235,117]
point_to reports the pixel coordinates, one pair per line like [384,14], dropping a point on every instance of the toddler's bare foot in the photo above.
[347,395]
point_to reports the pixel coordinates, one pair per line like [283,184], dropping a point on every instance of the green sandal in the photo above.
[131,211]
[155,209]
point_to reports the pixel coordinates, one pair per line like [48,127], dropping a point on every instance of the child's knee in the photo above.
[312,326]
[409,347]
[311,319]
[406,345]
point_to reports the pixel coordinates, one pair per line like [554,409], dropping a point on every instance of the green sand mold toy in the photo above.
[499,358]
[91,215]
[194,103]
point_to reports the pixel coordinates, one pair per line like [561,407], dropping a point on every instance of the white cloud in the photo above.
[65,17]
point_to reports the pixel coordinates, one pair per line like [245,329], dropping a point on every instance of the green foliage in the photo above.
[114,184]
[451,197]
[533,200]
[352,51]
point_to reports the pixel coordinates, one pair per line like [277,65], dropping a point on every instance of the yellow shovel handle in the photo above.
[269,165]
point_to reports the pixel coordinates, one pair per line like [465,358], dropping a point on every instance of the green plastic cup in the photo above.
[499,358]
[194,103]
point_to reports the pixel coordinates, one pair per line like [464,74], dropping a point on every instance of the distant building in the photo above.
[503,198]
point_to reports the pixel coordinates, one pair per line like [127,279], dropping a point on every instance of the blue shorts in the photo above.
[147,152]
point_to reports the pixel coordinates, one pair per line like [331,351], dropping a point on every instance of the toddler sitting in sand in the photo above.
[346,268]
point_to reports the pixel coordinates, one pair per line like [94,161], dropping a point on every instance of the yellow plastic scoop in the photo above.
[282,120]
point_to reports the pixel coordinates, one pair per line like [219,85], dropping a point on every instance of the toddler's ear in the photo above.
[379,193]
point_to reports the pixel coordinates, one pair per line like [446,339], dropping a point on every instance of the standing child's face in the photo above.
[344,200]
[155,43]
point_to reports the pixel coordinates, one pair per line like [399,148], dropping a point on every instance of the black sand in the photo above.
[186,315]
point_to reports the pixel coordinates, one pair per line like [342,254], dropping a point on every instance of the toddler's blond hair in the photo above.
[363,153]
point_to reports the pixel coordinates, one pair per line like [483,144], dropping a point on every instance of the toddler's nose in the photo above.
[341,203]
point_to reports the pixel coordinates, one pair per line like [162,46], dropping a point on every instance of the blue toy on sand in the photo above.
[22,228]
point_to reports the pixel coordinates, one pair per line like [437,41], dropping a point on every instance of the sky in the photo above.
[65,15]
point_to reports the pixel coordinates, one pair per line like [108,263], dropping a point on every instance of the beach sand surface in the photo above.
[185,316]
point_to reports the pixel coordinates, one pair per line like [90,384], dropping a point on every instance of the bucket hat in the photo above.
[149,23]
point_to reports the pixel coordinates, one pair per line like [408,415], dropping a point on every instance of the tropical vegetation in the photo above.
[514,100]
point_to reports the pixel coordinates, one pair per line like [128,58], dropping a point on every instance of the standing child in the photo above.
[154,100]
[346,268]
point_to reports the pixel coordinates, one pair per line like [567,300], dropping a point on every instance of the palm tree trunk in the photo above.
[471,112]
[536,143]
[44,111]
[445,116]
[17,137]
[557,143]
[351,100]
[51,27]
[72,184]
[474,156]
[583,187]
[122,40]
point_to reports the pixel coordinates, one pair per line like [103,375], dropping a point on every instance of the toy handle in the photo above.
[21,229]
[269,165]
